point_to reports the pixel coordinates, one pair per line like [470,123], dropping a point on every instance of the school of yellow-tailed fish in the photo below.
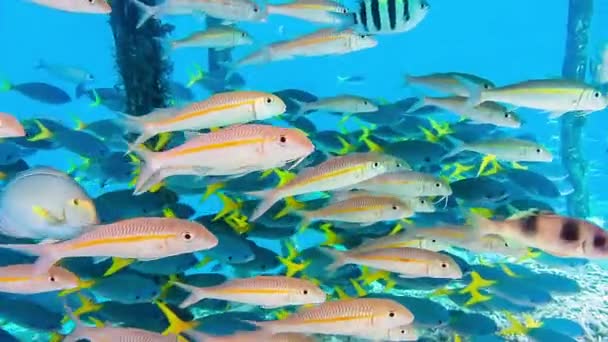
[409,213]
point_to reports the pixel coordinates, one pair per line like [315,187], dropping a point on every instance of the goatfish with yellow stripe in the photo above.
[316,11]
[143,238]
[221,37]
[241,336]
[223,109]
[235,150]
[264,291]
[556,96]
[323,42]
[332,174]
[405,184]
[21,280]
[362,210]
[406,262]
[348,317]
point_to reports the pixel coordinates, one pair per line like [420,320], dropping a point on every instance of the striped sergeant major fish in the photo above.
[390,16]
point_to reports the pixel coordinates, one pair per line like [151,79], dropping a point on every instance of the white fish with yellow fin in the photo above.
[45,203]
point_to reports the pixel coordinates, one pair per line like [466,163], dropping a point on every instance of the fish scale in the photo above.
[362,209]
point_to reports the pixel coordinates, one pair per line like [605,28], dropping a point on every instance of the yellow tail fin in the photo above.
[515,327]
[291,204]
[176,324]
[332,238]
[477,282]
[485,161]
[358,288]
[229,205]
[44,133]
[117,265]
[163,140]
[87,305]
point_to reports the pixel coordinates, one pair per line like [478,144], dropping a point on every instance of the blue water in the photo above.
[504,41]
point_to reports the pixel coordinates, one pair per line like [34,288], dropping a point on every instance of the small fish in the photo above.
[343,317]
[556,96]
[335,173]
[227,10]
[10,127]
[323,42]
[364,210]
[515,150]
[406,184]
[406,262]
[554,234]
[220,37]
[453,83]
[68,73]
[250,148]
[486,112]
[392,16]
[139,238]
[316,11]
[265,291]
[21,279]
[77,6]
[223,109]
[63,210]
[341,104]
[42,92]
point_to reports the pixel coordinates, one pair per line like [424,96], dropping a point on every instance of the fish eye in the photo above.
[422,201]
[52,279]
[92,2]
[391,314]
[187,236]
[305,292]
[376,164]
[438,185]
[283,139]
[486,86]
[395,207]
[507,115]
[398,164]
[243,35]
[362,36]
[506,244]
[269,100]
[365,103]
[256,9]
[444,265]
[75,201]
[344,10]
[597,94]
[433,241]
[423,5]
[538,150]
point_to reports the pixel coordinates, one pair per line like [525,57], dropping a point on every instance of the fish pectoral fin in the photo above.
[408,276]
[556,114]
[47,215]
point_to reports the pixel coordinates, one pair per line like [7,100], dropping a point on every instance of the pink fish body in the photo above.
[22,280]
[10,127]
[230,151]
[77,6]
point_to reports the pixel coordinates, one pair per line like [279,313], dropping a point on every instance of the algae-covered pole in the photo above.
[574,68]
[140,59]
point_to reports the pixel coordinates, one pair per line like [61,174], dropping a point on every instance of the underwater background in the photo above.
[503,41]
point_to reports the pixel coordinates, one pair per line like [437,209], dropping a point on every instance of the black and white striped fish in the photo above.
[390,16]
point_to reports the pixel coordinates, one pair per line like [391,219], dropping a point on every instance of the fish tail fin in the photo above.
[269,198]
[196,294]
[43,132]
[117,265]
[134,124]
[149,173]
[228,206]
[302,108]
[339,258]
[176,324]
[293,267]
[145,12]
[361,292]
[5,85]
[346,146]
[291,204]
[45,260]
[331,238]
